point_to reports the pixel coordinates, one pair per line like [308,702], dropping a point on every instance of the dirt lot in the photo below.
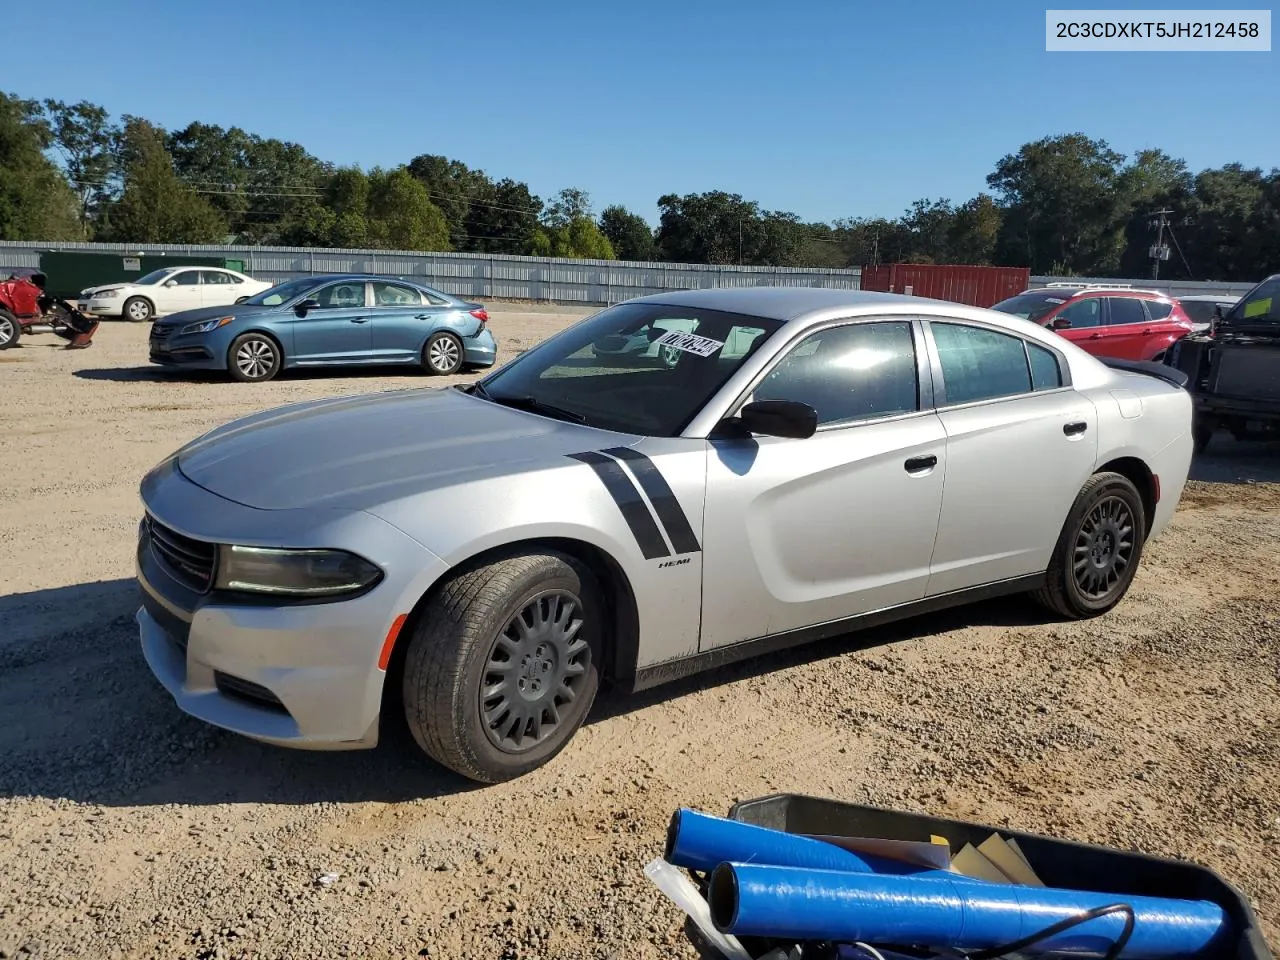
[127,830]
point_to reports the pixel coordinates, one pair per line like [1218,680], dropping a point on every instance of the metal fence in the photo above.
[475,275]
[495,276]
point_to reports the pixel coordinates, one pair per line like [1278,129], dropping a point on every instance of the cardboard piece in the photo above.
[928,855]
[1012,864]
[973,864]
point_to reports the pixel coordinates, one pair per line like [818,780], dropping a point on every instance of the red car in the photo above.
[1107,320]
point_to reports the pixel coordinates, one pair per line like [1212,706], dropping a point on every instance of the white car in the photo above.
[170,290]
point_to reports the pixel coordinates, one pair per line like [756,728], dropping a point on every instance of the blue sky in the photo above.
[828,109]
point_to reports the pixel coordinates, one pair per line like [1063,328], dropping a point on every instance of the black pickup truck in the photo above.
[1233,369]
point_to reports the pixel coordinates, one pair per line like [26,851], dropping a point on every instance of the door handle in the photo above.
[1095,336]
[422,316]
[1075,428]
[1147,332]
[359,319]
[916,464]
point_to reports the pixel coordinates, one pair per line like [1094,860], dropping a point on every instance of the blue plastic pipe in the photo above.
[937,912]
[698,841]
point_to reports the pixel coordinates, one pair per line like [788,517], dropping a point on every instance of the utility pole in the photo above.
[1159,251]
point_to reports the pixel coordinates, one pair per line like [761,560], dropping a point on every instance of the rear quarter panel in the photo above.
[1150,420]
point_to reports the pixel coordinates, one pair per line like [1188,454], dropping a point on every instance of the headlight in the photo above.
[106,294]
[204,326]
[299,573]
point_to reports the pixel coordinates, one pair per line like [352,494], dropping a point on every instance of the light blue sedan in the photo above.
[334,320]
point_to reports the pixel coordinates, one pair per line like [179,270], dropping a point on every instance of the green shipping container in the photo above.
[71,271]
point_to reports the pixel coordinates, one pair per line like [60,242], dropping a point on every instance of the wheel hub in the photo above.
[536,668]
[1104,548]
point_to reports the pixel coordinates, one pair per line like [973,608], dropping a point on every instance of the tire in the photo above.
[10,330]
[137,309]
[1094,540]
[241,299]
[254,358]
[468,638]
[442,353]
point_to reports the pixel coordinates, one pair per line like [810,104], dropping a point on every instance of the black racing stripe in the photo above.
[629,501]
[664,500]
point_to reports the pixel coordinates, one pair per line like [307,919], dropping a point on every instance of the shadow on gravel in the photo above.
[1231,461]
[175,375]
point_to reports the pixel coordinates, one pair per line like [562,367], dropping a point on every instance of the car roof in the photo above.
[1097,289]
[1212,297]
[791,303]
[371,278]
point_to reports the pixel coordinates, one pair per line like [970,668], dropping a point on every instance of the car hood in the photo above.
[358,452]
[196,314]
[122,287]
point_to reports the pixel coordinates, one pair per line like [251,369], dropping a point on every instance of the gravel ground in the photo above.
[127,830]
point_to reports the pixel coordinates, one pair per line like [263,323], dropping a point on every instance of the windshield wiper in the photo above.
[534,405]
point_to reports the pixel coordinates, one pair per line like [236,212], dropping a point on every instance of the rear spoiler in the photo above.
[1161,371]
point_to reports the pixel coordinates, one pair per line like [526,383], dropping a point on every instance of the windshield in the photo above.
[1033,306]
[1259,305]
[155,276]
[284,292]
[643,368]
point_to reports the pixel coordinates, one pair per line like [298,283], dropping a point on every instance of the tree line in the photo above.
[1062,205]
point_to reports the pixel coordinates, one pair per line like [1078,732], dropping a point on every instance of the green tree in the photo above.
[712,227]
[628,233]
[401,215]
[35,201]
[568,205]
[83,135]
[975,229]
[452,186]
[1062,205]
[156,206]
[503,218]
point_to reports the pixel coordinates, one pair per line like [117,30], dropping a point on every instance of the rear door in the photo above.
[340,330]
[1020,444]
[402,321]
[1127,330]
[217,288]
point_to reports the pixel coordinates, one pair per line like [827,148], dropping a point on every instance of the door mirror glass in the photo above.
[779,418]
[171,283]
[311,303]
[1061,323]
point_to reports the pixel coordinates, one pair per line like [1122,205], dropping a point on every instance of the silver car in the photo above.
[475,561]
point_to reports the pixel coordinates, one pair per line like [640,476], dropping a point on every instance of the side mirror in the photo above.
[311,303]
[779,418]
[1061,323]
[171,283]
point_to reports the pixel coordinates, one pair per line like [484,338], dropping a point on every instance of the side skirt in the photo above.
[660,673]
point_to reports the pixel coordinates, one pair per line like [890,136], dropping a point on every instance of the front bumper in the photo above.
[297,675]
[110,307]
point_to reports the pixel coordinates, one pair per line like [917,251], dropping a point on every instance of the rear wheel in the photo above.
[137,309]
[253,358]
[1201,434]
[442,353]
[503,666]
[10,330]
[1098,551]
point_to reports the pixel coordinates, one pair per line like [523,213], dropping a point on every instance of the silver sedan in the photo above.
[787,465]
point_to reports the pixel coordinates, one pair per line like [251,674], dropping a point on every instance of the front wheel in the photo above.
[442,354]
[503,666]
[10,330]
[253,358]
[137,309]
[1098,551]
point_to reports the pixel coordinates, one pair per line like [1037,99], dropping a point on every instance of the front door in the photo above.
[1020,445]
[802,532]
[180,291]
[340,330]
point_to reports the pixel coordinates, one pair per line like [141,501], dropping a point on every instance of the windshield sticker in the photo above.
[689,343]
[1259,308]
[1053,300]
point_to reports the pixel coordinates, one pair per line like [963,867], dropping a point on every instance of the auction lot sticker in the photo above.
[689,343]
[1223,31]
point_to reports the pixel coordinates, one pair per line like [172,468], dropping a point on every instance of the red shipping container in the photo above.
[977,286]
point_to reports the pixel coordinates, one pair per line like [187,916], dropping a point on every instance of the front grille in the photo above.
[191,562]
[159,332]
[238,689]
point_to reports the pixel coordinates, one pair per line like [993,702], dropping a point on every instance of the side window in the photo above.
[187,278]
[849,373]
[1083,313]
[215,276]
[395,295]
[1046,374]
[1159,309]
[980,364]
[1126,310]
[342,295]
